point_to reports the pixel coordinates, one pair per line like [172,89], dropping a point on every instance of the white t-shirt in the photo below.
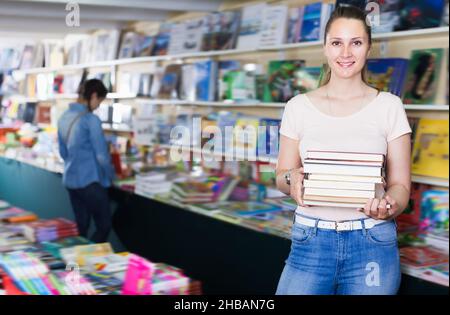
[368,130]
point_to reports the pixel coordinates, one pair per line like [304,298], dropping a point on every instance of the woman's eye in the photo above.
[357,43]
[335,43]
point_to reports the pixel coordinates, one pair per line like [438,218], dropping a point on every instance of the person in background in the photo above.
[88,171]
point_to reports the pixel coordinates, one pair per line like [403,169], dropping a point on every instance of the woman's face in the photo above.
[346,47]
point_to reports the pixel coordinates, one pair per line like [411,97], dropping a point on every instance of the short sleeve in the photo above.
[397,121]
[290,123]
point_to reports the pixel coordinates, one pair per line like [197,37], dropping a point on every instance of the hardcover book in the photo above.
[423,75]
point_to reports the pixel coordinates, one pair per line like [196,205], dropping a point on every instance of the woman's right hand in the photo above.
[296,192]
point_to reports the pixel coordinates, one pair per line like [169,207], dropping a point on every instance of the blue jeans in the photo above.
[325,261]
[92,202]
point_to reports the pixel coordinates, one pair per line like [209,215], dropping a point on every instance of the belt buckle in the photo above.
[337,229]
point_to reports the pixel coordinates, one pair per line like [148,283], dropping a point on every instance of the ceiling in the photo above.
[39,17]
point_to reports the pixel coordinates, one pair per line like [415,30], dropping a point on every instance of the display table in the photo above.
[226,258]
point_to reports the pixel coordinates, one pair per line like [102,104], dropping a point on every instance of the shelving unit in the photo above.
[206,54]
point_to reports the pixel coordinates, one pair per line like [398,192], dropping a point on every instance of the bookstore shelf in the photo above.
[430,181]
[228,157]
[205,54]
[427,107]
[138,99]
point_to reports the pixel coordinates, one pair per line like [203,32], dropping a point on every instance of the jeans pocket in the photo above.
[383,234]
[301,233]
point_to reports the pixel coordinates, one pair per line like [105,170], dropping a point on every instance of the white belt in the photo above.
[338,226]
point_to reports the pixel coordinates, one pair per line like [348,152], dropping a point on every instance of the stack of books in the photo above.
[211,189]
[49,230]
[152,183]
[342,179]
[16,215]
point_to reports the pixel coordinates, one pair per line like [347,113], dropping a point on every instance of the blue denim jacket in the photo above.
[85,154]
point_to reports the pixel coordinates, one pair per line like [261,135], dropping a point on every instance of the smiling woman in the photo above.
[345,114]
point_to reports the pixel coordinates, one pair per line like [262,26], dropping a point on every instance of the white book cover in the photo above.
[194,30]
[251,24]
[337,162]
[127,47]
[294,25]
[346,178]
[334,204]
[343,170]
[339,192]
[145,131]
[352,156]
[177,36]
[327,9]
[307,183]
[273,31]
[188,85]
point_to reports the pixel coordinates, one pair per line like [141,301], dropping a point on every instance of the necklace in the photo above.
[330,107]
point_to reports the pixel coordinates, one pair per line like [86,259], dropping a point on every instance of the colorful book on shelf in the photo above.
[170,83]
[273,30]
[240,86]
[387,74]
[144,45]
[128,45]
[420,14]
[311,23]
[162,40]
[435,209]
[431,149]
[268,139]
[422,256]
[205,74]
[250,26]
[229,28]
[246,137]
[221,30]
[389,16]
[224,68]
[280,86]
[423,76]
[411,214]
[306,79]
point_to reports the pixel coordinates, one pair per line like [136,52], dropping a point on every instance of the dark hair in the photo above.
[89,87]
[346,12]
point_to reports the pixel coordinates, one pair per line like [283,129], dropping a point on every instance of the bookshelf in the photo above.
[439,31]
[430,181]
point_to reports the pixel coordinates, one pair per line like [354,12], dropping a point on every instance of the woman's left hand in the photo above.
[377,208]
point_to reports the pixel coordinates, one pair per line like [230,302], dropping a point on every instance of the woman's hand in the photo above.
[296,192]
[378,208]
